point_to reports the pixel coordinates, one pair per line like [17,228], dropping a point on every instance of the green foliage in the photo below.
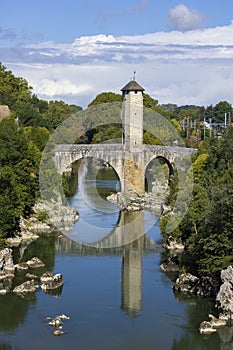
[105,97]
[149,102]
[19,163]
[56,113]
[207,227]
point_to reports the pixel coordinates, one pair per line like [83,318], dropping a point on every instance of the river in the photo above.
[116,297]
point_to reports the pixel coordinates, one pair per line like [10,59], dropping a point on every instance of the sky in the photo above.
[72,50]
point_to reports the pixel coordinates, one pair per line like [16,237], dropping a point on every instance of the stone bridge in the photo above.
[131,158]
[129,165]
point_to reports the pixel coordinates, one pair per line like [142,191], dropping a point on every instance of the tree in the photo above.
[105,97]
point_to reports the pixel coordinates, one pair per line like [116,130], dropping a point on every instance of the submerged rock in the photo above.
[64,317]
[56,322]
[58,332]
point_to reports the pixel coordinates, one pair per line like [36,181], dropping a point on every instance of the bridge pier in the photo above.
[133,173]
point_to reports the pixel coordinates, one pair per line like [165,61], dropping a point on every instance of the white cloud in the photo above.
[178,67]
[63,87]
[183,17]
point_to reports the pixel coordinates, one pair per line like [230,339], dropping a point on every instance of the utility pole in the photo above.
[204,128]
[199,129]
[229,119]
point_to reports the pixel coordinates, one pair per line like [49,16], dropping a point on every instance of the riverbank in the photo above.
[46,217]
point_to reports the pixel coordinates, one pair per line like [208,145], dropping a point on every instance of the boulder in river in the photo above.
[46,277]
[207,328]
[26,287]
[35,263]
[186,283]
[171,265]
[53,282]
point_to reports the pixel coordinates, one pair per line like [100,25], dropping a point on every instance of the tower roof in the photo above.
[132,86]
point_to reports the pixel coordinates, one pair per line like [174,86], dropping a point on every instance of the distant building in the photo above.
[4,112]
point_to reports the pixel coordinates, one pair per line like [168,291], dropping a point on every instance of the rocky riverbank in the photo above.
[46,217]
[134,202]
[9,270]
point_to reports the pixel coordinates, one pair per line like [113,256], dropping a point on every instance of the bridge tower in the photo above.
[132,137]
[132,115]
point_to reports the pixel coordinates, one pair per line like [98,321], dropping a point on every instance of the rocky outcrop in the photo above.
[209,327]
[224,301]
[186,283]
[130,201]
[207,286]
[6,260]
[6,270]
[21,266]
[171,244]
[47,216]
[204,286]
[53,282]
[26,287]
[35,263]
[225,294]
[59,216]
[133,202]
[171,265]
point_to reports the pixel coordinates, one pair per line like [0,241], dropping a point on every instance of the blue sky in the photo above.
[74,49]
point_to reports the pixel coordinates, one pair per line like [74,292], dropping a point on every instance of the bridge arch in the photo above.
[96,166]
[155,165]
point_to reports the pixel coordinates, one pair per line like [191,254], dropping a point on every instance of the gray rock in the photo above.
[31,276]
[172,245]
[6,260]
[171,265]
[207,328]
[26,287]
[225,294]
[46,277]
[22,266]
[207,286]
[186,283]
[58,332]
[35,263]
[6,275]
[53,282]
[56,322]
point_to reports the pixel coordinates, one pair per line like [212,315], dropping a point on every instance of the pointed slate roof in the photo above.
[132,86]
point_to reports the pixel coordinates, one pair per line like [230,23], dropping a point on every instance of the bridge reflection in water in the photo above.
[134,243]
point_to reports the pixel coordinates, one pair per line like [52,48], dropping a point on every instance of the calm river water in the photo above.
[116,297]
